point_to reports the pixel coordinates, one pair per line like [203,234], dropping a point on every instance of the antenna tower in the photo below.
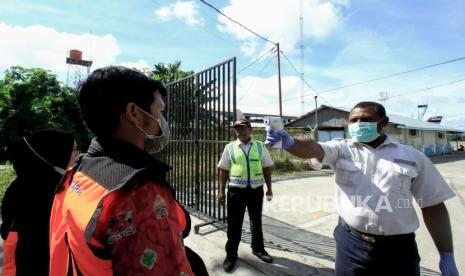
[302,101]
[383,97]
[422,110]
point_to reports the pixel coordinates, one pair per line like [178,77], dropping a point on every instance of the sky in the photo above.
[345,45]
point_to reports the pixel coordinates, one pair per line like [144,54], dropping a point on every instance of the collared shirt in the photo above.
[224,161]
[376,186]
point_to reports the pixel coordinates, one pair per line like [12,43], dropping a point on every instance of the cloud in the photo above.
[141,65]
[366,55]
[457,122]
[186,11]
[345,3]
[279,20]
[260,95]
[41,46]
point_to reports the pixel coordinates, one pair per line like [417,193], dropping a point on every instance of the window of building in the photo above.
[440,135]
[412,132]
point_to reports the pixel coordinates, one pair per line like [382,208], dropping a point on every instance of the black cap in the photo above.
[242,122]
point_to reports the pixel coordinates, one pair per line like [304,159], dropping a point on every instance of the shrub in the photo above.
[7,176]
[284,162]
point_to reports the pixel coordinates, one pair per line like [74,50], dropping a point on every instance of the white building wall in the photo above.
[442,141]
[395,134]
[415,139]
[429,138]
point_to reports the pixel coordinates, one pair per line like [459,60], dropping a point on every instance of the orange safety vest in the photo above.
[9,251]
[71,240]
[68,225]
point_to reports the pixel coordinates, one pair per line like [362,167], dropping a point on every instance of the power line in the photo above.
[428,88]
[392,75]
[393,96]
[296,71]
[218,11]
[255,61]
[253,81]
[422,89]
[224,40]
[305,81]
[375,79]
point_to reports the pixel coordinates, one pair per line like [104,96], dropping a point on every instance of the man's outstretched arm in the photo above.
[307,149]
[303,148]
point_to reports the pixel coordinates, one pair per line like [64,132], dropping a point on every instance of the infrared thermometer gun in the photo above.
[275,123]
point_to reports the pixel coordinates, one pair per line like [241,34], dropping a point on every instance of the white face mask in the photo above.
[55,168]
[153,143]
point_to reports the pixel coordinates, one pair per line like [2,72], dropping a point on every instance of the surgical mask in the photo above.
[55,168]
[364,132]
[153,143]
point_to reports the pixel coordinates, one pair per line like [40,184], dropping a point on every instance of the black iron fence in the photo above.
[200,110]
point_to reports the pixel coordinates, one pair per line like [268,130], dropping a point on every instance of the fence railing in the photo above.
[200,110]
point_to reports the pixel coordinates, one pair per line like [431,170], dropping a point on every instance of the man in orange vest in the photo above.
[116,213]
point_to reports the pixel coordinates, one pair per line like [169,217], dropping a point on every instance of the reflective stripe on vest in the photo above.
[245,168]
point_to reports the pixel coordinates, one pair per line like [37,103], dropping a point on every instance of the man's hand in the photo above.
[447,264]
[221,198]
[269,195]
[272,137]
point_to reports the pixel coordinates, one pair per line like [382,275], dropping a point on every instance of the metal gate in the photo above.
[200,110]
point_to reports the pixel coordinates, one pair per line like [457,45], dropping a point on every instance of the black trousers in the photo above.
[238,200]
[387,257]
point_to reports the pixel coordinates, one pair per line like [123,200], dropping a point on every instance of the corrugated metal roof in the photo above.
[402,122]
[405,122]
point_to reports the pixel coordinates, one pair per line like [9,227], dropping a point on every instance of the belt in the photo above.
[374,238]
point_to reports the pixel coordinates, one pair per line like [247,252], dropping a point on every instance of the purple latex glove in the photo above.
[272,137]
[447,264]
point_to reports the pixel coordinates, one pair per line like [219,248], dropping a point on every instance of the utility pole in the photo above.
[302,101]
[315,132]
[316,111]
[279,82]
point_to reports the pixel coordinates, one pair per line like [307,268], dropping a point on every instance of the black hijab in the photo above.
[28,200]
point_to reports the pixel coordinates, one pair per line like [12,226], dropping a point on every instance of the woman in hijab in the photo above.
[40,160]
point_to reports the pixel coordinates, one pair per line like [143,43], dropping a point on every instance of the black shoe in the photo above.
[228,264]
[264,256]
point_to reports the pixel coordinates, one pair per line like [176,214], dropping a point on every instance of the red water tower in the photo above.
[76,63]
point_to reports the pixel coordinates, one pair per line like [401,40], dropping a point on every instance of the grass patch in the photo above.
[284,163]
[7,176]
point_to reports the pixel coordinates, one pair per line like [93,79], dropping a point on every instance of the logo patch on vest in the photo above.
[148,258]
[120,226]
[76,188]
[160,209]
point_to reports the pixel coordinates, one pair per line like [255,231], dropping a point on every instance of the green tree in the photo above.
[169,72]
[34,99]
[199,92]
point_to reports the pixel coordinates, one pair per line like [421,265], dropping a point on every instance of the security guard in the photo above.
[246,163]
[376,179]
